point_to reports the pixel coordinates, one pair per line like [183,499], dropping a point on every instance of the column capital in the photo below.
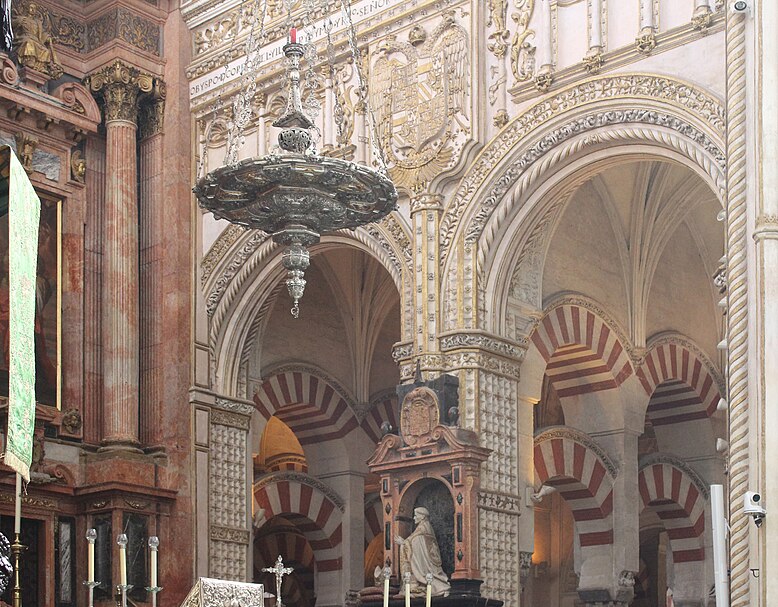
[426,201]
[151,118]
[119,85]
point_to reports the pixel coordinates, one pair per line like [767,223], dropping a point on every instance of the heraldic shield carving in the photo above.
[419,414]
[419,96]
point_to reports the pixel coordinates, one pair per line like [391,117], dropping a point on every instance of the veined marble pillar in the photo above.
[151,242]
[119,86]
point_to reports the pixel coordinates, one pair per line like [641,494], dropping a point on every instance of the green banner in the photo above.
[24,209]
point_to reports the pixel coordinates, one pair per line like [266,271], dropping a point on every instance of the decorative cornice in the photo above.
[233,420]
[230,534]
[455,361]
[233,406]
[499,502]
[483,341]
[671,460]
[303,479]
[123,24]
[221,245]
[565,432]
[402,351]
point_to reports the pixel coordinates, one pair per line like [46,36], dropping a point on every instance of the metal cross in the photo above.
[280,571]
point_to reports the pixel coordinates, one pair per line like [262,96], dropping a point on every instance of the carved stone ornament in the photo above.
[420,149]
[119,85]
[593,61]
[543,80]
[152,110]
[501,118]
[71,420]
[222,593]
[419,414]
[646,41]
[25,150]
[77,168]
[702,19]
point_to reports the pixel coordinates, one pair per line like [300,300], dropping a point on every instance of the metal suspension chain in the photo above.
[377,149]
[242,106]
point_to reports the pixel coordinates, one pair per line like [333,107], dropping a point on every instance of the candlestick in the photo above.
[16,550]
[153,547]
[293,35]
[428,577]
[121,593]
[91,589]
[407,580]
[122,541]
[387,575]
[91,536]
[18,510]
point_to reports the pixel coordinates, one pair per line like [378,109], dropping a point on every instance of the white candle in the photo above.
[18,512]
[122,541]
[701,3]
[429,589]
[153,546]
[386,587]
[91,536]
[407,593]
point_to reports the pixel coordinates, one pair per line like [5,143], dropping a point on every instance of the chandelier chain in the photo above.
[376,148]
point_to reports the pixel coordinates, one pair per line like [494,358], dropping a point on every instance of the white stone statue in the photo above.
[420,555]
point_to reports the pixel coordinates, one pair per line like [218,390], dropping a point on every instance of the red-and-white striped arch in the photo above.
[300,500]
[313,408]
[680,386]
[680,504]
[287,541]
[583,474]
[382,409]
[373,520]
[583,353]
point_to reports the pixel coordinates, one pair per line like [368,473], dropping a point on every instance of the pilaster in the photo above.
[426,209]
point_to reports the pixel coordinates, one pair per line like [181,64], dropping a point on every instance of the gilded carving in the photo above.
[498,39]
[71,421]
[501,118]
[646,41]
[593,61]
[77,171]
[33,42]
[25,149]
[124,25]
[119,86]
[522,50]
[423,122]
[702,19]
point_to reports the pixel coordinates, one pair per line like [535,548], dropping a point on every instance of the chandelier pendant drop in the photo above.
[294,193]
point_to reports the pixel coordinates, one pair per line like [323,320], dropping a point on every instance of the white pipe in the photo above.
[719,525]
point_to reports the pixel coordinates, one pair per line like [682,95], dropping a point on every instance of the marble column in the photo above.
[151,249]
[119,85]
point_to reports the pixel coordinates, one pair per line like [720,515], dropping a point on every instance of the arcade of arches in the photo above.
[585,247]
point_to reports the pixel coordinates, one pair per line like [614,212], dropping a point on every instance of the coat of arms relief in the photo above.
[419,92]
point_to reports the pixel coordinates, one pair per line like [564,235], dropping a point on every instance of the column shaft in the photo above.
[120,288]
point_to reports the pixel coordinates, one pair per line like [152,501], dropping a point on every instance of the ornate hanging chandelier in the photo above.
[294,193]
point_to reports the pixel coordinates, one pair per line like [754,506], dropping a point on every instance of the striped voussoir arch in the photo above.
[583,478]
[293,548]
[373,520]
[382,410]
[314,409]
[582,353]
[678,502]
[311,511]
[679,385]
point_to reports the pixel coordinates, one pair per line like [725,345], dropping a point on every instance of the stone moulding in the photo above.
[565,432]
[482,341]
[648,88]
[499,502]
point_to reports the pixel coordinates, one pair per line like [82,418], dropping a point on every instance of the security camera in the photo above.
[739,6]
[752,505]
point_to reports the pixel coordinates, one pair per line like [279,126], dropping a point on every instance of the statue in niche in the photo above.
[420,556]
[33,42]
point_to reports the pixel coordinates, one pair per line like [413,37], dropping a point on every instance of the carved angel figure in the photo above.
[33,42]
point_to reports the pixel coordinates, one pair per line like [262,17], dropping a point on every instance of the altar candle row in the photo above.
[121,540]
[407,581]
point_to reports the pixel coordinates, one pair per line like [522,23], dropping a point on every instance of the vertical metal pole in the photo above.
[719,525]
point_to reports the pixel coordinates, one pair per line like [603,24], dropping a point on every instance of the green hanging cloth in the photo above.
[24,209]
